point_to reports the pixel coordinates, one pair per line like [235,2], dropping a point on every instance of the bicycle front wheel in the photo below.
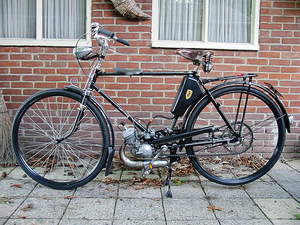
[47,146]
[232,159]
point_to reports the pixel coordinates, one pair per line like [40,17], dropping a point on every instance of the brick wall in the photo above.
[26,70]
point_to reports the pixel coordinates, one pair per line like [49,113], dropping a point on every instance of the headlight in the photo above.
[81,52]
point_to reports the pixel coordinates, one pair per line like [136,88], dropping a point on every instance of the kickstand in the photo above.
[169,181]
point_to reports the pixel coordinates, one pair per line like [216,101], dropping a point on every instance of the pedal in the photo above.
[147,170]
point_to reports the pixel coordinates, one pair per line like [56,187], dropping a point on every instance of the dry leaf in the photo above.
[16,185]
[155,199]
[22,217]
[108,189]
[212,207]
[28,207]
[69,197]
[4,174]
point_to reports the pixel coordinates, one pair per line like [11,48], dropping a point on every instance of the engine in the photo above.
[136,146]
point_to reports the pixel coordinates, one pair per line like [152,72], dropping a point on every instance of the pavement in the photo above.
[123,198]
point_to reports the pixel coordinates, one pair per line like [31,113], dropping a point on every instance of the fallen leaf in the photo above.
[108,189]
[22,217]
[4,174]
[69,197]
[212,207]
[16,185]
[28,207]
[155,199]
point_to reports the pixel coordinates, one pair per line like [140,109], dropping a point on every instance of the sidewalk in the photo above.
[274,199]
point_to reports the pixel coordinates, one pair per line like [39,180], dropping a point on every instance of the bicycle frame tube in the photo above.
[117,106]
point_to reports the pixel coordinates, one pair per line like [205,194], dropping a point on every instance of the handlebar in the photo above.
[97,28]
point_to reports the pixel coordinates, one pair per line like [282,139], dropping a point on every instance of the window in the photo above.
[209,24]
[44,22]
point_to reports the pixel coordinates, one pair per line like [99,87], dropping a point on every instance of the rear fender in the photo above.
[287,117]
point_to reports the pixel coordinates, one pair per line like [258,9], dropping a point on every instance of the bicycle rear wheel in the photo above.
[234,160]
[38,133]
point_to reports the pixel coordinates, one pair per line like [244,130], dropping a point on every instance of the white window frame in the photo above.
[40,41]
[205,44]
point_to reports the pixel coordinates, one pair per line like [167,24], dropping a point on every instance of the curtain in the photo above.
[180,20]
[229,21]
[64,19]
[17,18]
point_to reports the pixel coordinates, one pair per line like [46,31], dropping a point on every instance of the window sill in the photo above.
[43,42]
[202,45]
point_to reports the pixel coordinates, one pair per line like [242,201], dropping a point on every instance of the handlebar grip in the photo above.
[112,35]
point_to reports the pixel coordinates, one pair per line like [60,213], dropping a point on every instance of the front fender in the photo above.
[111,150]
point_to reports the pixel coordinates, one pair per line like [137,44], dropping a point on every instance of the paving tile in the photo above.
[32,221]
[194,222]
[140,222]
[286,175]
[85,221]
[278,208]
[18,188]
[96,189]
[295,164]
[187,210]
[139,209]
[286,222]
[266,190]
[293,188]
[237,209]
[128,191]
[246,222]
[191,190]
[18,174]
[46,192]
[7,209]
[90,209]
[52,208]
[221,191]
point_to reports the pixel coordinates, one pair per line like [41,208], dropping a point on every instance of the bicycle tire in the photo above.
[41,121]
[251,156]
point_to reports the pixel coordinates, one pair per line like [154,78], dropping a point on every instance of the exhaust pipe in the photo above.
[139,164]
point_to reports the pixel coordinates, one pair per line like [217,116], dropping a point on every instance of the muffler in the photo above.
[139,164]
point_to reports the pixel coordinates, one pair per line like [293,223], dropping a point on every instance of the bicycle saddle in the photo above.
[128,72]
[194,55]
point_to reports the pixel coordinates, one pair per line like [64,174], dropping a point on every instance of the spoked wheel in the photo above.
[47,146]
[239,157]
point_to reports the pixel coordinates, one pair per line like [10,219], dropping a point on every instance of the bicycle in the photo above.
[233,133]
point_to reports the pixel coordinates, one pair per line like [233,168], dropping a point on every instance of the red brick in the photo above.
[283,19]
[290,69]
[290,41]
[269,54]
[43,71]
[32,64]
[257,61]
[271,11]
[291,12]
[291,26]
[282,4]
[247,68]
[279,62]
[67,71]
[10,49]
[9,63]
[281,48]
[21,70]
[140,87]
[21,84]
[44,57]
[45,85]
[20,56]
[269,69]
[281,33]
[33,49]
